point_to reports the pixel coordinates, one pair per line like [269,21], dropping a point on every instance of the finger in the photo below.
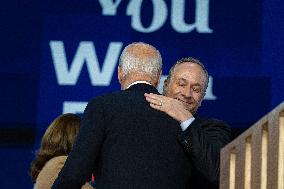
[155,101]
[157,107]
[151,100]
[148,94]
[152,95]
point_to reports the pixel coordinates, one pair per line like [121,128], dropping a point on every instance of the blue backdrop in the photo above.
[56,56]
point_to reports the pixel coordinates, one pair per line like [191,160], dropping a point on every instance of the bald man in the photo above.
[121,138]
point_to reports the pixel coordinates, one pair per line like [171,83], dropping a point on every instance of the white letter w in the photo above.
[86,53]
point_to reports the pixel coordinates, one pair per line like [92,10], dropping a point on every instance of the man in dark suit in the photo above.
[127,144]
[202,139]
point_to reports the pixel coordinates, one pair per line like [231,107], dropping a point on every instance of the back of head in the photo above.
[140,61]
[57,141]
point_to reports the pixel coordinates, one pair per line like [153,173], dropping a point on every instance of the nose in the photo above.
[187,92]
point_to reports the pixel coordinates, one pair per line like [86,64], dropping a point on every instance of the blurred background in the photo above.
[57,55]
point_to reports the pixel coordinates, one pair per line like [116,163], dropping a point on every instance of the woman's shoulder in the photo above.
[56,160]
[54,165]
[49,172]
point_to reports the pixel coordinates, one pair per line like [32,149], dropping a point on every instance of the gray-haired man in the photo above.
[127,144]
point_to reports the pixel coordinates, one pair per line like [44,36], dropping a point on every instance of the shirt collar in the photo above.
[136,82]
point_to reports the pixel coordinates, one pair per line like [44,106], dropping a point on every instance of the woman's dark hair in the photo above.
[57,141]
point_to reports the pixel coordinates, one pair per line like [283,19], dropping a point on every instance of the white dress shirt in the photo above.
[136,82]
[184,125]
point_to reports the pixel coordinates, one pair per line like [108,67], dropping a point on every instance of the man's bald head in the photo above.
[140,59]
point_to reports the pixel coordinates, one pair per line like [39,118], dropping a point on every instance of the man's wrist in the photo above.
[185,115]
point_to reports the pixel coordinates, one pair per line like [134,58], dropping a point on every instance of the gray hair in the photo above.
[132,61]
[190,60]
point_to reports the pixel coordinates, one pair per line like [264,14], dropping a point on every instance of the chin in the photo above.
[192,109]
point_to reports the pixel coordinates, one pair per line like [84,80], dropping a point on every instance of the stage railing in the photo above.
[255,159]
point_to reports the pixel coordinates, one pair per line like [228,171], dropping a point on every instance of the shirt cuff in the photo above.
[186,123]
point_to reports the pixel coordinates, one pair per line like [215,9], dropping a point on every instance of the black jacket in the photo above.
[202,142]
[128,145]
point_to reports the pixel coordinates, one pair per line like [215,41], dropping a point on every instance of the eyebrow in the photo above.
[196,84]
[182,79]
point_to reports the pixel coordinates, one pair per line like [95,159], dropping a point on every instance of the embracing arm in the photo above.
[81,160]
[202,139]
[170,106]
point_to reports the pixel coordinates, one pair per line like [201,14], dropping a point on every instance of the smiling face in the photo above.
[187,85]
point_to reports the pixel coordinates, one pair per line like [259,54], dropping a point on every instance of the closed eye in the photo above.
[197,88]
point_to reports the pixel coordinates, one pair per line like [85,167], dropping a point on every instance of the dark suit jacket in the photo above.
[202,141]
[128,145]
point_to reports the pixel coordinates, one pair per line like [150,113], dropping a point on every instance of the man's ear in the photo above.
[166,86]
[119,74]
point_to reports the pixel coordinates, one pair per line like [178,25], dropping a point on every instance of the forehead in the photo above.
[188,71]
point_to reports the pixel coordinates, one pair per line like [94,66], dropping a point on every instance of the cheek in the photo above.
[197,98]
[173,90]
